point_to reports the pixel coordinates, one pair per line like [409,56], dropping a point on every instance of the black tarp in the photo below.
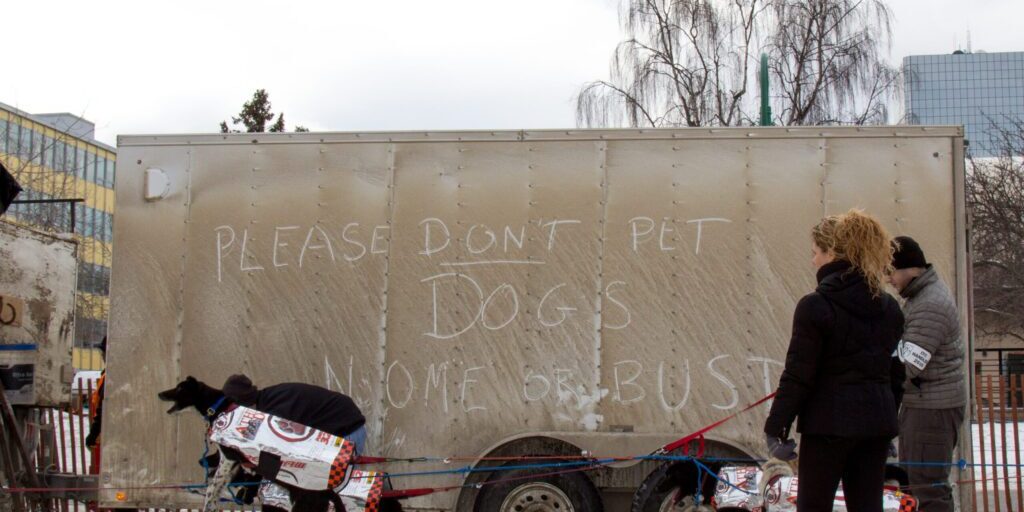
[9,189]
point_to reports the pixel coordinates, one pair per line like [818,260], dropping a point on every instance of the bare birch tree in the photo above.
[694,62]
[825,60]
[683,63]
[995,195]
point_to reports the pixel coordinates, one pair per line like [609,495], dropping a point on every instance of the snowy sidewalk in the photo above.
[997,479]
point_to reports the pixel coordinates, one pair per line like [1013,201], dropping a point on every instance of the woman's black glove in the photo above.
[779,449]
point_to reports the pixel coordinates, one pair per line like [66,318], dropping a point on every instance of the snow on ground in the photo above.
[73,428]
[997,474]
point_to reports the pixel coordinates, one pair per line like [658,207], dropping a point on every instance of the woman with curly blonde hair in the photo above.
[841,383]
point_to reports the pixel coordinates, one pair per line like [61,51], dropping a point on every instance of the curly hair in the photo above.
[860,239]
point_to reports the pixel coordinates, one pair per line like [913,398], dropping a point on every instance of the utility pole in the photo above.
[766,109]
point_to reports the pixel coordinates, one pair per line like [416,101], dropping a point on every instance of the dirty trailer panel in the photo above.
[38,275]
[612,289]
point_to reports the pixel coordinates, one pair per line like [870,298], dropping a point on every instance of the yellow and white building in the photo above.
[54,156]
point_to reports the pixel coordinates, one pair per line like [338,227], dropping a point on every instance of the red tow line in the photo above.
[682,442]
[699,435]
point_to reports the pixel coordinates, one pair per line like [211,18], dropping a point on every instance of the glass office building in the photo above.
[972,89]
[54,156]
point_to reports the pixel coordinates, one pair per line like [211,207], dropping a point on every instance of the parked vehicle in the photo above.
[493,294]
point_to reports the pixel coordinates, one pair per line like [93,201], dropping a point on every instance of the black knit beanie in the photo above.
[908,253]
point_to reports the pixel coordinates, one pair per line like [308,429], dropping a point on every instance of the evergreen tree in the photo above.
[255,115]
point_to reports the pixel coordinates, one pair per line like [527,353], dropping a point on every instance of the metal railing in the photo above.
[998,417]
[58,437]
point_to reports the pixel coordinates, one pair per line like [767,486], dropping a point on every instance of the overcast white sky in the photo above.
[146,67]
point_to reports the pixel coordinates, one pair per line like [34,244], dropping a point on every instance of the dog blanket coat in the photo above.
[742,488]
[285,451]
[362,494]
[323,409]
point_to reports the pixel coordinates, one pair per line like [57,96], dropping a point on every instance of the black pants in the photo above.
[827,460]
[929,435]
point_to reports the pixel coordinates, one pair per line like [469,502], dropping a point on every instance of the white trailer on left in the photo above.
[38,279]
[38,276]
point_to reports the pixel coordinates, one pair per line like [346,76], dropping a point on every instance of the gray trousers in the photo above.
[929,436]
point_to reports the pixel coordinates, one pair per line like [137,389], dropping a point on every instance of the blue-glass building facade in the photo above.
[972,89]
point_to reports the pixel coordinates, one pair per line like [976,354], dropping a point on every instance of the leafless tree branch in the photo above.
[995,196]
[691,62]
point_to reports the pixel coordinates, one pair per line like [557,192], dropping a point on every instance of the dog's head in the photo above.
[188,393]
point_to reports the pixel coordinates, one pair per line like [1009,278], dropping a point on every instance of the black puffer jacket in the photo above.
[840,377]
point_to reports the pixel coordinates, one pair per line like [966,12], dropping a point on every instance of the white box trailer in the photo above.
[487,294]
[38,276]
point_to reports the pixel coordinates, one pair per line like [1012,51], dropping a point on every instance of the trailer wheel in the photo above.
[671,488]
[568,492]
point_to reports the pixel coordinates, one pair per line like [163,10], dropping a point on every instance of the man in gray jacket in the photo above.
[935,393]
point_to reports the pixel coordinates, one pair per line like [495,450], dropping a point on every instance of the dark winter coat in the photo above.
[312,406]
[841,378]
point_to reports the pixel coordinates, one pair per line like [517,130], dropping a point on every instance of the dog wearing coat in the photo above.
[308,405]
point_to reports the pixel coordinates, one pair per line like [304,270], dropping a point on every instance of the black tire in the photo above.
[574,489]
[670,481]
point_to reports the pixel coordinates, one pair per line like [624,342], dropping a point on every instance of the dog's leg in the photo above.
[225,471]
[275,498]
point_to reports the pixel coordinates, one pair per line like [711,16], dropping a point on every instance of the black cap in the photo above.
[908,253]
[240,389]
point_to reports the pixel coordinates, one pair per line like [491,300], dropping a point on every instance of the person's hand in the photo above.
[779,449]
[91,439]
